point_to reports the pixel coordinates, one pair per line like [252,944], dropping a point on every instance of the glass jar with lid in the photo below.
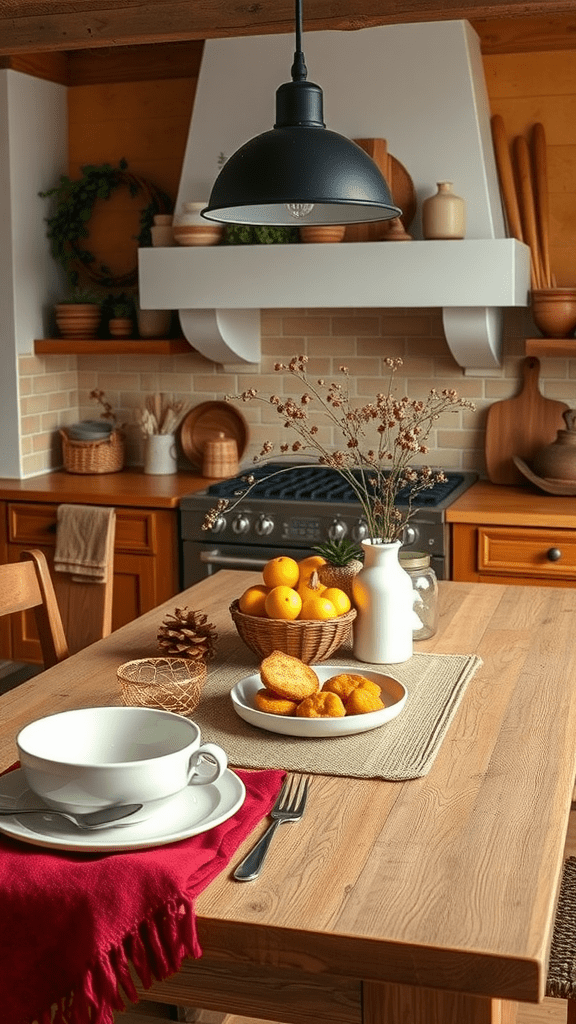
[425,587]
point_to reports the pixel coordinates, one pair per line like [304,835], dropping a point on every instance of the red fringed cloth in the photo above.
[71,923]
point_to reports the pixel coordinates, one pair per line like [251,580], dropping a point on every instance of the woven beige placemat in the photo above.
[402,749]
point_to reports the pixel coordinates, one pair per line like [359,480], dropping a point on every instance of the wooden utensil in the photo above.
[527,207]
[541,190]
[520,426]
[506,176]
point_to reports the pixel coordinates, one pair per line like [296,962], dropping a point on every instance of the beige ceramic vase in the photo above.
[77,320]
[444,214]
[557,461]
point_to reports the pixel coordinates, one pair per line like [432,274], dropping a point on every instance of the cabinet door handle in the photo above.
[554,554]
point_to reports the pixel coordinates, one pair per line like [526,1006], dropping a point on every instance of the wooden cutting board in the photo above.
[519,427]
[401,187]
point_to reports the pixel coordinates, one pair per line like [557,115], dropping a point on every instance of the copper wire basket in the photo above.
[171,684]
[106,456]
[307,639]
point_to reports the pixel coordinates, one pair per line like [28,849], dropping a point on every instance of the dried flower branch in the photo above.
[381,440]
[99,396]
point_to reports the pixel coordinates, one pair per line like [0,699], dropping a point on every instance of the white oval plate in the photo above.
[394,695]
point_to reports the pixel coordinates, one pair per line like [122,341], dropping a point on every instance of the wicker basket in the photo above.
[171,684]
[105,456]
[306,639]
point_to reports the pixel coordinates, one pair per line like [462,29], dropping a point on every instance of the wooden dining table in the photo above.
[430,900]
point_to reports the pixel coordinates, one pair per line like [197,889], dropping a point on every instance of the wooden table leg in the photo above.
[384,1003]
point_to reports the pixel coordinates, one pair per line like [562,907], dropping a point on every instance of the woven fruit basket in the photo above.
[306,639]
[105,456]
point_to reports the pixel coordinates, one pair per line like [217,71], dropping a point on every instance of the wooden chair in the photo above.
[28,584]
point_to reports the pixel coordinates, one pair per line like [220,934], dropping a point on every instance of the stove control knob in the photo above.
[264,525]
[410,535]
[241,524]
[360,531]
[337,530]
[218,525]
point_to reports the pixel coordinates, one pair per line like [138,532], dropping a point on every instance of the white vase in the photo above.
[444,214]
[382,593]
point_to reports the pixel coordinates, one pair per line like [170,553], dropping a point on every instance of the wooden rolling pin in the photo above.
[527,207]
[541,190]
[506,175]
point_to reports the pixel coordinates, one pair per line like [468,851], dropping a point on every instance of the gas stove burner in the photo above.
[319,483]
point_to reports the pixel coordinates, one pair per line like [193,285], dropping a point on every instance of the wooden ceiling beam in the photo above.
[29,26]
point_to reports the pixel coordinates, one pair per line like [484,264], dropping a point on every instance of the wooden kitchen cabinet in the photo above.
[146,551]
[145,564]
[513,535]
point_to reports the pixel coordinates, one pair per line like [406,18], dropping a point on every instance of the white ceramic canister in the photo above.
[160,455]
[161,230]
[383,596]
[444,214]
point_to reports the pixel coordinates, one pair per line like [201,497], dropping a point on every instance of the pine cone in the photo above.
[187,634]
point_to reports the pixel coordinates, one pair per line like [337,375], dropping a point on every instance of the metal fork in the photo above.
[289,806]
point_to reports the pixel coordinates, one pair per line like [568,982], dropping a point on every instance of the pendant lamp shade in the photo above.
[300,172]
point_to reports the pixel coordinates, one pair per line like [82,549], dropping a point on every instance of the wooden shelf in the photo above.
[111,346]
[560,347]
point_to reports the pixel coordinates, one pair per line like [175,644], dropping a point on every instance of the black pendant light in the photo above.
[299,172]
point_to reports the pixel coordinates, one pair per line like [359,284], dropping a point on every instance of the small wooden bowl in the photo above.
[322,233]
[554,311]
[306,639]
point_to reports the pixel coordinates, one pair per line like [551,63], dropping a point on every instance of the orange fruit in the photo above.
[340,600]
[283,603]
[317,607]
[252,600]
[281,572]
[307,565]
[305,588]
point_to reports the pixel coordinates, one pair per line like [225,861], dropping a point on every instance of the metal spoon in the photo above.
[91,820]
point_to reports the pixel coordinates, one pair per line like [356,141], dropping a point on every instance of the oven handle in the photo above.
[231,561]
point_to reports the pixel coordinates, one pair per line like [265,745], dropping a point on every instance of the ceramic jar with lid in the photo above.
[557,461]
[191,228]
[161,230]
[444,214]
[425,587]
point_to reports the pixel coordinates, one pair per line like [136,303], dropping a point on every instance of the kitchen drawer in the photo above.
[29,524]
[547,554]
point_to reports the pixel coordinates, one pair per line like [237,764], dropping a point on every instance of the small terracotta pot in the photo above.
[121,327]
[554,311]
[79,320]
[322,233]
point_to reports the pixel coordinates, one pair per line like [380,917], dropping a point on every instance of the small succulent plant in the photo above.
[339,552]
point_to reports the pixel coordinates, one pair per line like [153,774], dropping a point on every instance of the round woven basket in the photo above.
[105,456]
[171,684]
[307,639]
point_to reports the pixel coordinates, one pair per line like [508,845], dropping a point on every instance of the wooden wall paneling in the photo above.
[527,35]
[135,63]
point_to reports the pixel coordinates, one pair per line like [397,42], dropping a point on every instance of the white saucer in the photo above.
[393,694]
[194,810]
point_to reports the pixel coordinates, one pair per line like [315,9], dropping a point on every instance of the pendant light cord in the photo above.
[299,70]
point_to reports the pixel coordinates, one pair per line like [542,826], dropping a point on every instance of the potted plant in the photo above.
[121,323]
[79,314]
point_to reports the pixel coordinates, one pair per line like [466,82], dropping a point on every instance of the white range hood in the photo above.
[419,86]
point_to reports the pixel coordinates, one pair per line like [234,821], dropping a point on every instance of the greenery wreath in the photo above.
[75,201]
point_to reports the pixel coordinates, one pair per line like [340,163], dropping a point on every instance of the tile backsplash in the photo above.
[54,390]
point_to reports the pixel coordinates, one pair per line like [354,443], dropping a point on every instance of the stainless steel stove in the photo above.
[291,512]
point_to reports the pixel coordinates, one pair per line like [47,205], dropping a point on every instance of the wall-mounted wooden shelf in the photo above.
[111,346]
[561,347]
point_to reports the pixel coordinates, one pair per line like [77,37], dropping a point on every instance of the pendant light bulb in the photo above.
[299,210]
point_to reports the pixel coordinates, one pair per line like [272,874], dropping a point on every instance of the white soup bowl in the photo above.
[90,758]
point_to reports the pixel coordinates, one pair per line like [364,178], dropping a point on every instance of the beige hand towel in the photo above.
[84,541]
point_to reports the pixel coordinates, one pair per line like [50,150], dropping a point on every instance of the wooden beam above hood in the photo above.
[28,26]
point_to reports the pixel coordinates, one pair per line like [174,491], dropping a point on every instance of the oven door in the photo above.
[201,559]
